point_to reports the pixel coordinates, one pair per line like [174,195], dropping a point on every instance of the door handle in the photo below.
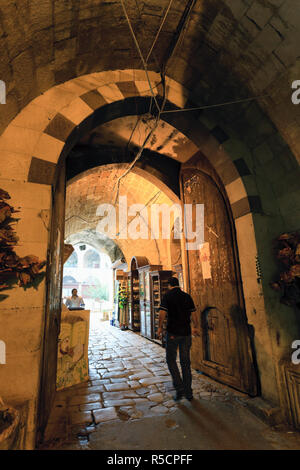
[57,325]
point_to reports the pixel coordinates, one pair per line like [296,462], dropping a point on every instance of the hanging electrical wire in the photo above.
[153,97]
[157,118]
[168,56]
[139,50]
[159,30]
[151,200]
[179,45]
[137,157]
[197,108]
[177,35]
[145,39]
[133,131]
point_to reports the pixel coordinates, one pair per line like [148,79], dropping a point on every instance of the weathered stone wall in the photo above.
[43,127]
[231,50]
[22,312]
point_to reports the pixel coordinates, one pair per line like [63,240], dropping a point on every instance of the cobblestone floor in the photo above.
[129,380]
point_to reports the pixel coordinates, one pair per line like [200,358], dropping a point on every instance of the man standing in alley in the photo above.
[180,310]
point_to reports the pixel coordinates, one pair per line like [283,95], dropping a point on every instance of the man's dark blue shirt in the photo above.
[179,305]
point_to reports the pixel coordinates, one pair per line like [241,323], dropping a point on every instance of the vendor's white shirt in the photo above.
[74,302]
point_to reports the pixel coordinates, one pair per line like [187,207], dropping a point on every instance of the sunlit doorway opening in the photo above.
[90,272]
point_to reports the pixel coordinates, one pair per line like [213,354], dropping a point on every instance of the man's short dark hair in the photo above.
[173,281]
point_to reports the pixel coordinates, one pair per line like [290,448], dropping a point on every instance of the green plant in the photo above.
[123,298]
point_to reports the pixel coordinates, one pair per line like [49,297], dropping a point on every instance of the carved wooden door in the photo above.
[224,348]
[53,301]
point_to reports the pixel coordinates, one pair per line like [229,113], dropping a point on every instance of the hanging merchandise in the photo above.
[123,303]
[287,252]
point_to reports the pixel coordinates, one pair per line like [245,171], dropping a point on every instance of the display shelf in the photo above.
[121,290]
[134,301]
[159,286]
[146,299]
[146,286]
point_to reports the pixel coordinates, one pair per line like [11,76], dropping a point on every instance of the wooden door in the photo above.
[135,302]
[53,301]
[130,303]
[147,304]
[224,349]
[142,301]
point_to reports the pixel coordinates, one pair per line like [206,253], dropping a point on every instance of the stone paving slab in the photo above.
[154,380]
[96,389]
[160,409]
[120,395]
[102,370]
[134,384]
[129,380]
[81,417]
[116,387]
[81,399]
[124,402]
[120,380]
[105,414]
[157,397]
[136,368]
[141,400]
[140,375]
[169,403]
[91,406]
[99,381]
[114,375]
[143,391]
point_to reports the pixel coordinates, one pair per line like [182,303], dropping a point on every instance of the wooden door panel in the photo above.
[223,350]
[53,301]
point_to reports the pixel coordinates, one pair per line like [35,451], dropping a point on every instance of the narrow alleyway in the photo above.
[127,404]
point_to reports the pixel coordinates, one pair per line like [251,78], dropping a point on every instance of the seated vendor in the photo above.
[75,301]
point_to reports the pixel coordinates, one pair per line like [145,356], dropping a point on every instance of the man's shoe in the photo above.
[189,395]
[178,396]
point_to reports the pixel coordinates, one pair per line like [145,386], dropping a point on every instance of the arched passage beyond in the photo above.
[92,188]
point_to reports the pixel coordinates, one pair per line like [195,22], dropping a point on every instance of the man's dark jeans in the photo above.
[182,385]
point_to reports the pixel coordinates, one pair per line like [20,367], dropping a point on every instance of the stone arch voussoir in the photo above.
[35,139]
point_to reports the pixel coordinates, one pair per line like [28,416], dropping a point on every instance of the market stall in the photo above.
[72,354]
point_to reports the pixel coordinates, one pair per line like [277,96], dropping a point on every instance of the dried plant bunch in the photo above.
[287,252]
[13,268]
[3,408]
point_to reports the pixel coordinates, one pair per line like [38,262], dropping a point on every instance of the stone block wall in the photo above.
[22,312]
[63,108]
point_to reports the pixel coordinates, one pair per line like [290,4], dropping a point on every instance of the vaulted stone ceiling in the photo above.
[230,49]
[98,186]
[133,131]
[97,240]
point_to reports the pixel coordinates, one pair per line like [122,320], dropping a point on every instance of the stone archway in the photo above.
[50,125]
[60,116]
[88,190]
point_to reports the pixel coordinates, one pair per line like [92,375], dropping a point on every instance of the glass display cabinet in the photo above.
[159,286]
[133,300]
[145,299]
